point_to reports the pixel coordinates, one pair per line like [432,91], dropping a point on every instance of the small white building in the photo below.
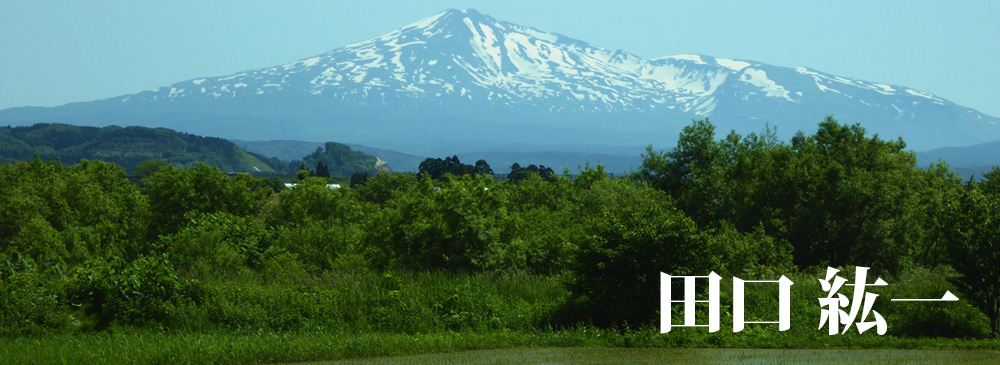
[328,186]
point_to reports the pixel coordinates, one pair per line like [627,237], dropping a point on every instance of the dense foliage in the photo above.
[82,249]
[838,197]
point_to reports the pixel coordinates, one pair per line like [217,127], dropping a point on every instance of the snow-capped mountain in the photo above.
[467,55]
[461,80]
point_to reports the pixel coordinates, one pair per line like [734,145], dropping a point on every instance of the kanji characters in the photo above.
[833,313]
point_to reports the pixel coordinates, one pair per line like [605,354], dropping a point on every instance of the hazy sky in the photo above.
[56,52]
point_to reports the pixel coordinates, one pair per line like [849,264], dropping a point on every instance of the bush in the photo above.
[634,233]
[29,301]
[220,245]
[959,319]
[450,227]
[750,256]
[132,293]
[319,245]
[312,201]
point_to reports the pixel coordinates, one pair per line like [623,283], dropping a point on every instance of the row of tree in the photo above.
[437,168]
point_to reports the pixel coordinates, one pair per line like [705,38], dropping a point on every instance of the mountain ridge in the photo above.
[465,77]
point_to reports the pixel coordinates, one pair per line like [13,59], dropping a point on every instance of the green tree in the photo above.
[856,201]
[518,173]
[696,150]
[384,186]
[273,183]
[322,170]
[838,197]
[939,187]
[482,167]
[359,179]
[436,168]
[149,167]
[137,292]
[974,248]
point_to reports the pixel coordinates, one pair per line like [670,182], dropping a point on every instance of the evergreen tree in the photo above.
[322,170]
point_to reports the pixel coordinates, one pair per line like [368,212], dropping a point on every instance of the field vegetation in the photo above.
[192,265]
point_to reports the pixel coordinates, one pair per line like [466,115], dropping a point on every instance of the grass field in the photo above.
[568,346]
[689,356]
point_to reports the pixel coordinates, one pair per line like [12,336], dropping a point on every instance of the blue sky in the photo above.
[56,52]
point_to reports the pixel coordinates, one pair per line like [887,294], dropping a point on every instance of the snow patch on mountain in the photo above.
[732,64]
[688,57]
[759,79]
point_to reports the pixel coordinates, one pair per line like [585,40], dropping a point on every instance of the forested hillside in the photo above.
[127,147]
[337,159]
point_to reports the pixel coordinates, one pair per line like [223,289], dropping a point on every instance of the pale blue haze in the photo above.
[56,52]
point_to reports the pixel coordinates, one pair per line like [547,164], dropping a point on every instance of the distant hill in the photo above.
[127,147]
[294,150]
[984,154]
[341,160]
[398,161]
[967,161]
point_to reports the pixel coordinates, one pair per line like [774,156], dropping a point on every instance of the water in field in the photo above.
[691,356]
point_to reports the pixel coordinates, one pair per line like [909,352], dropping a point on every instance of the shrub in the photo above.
[131,293]
[29,301]
[220,245]
[634,233]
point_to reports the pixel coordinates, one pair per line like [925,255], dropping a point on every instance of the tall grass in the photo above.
[153,347]
[394,302]
[358,314]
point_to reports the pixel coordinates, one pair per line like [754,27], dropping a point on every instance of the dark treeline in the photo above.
[82,249]
[130,147]
[127,147]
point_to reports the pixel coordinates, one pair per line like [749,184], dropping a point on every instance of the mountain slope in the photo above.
[464,81]
[281,149]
